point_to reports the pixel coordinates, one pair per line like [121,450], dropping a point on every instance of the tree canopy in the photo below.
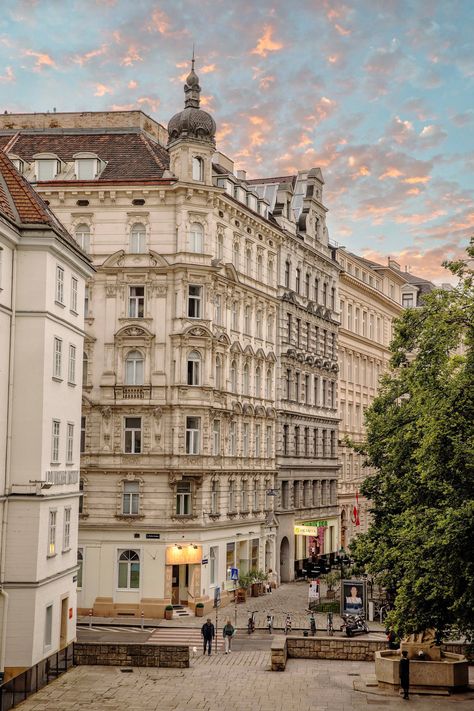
[420,440]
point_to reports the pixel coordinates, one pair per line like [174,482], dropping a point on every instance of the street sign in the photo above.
[204,561]
[152,535]
[234,573]
[217,596]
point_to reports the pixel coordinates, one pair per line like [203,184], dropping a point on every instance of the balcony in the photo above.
[132,392]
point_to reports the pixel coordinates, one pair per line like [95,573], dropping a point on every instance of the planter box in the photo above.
[168,614]
[199,611]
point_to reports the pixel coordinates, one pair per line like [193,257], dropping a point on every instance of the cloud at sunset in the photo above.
[266,43]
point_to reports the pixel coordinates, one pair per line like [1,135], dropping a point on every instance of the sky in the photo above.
[377,93]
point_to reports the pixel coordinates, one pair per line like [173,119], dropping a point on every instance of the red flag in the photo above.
[355,511]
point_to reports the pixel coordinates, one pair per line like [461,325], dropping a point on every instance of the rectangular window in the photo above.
[71,376]
[258,442]
[193,431]
[306,441]
[213,564]
[315,442]
[288,384]
[58,355]
[231,496]
[254,554]
[67,529]
[183,498]
[298,332]
[74,289]
[288,328]
[86,168]
[308,336]
[136,302]
[55,442]
[218,309]
[133,435]
[297,386]
[46,169]
[307,394]
[70,443]
[194,301]
[86,302]
[83,435]
[285,438]
[297,441]
[230,556]
[407,301]
[214,497]
[232,439]
[130,498]
[52,533]
[268,441]
[244,494]
[48,626]
[80,565]
[216,438]
[245,440]
[60,285]
[333,444]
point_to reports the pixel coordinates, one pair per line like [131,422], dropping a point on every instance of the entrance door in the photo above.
[175,585]
[183,584]
[285,560]
[63,629]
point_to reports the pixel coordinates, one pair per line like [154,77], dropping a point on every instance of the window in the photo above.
[245,439]
[60,285]
[130,498]
[194,301]
[194,368]
[306,441]
[85,366]
[285,438]
[213,564]
[288,327]
[236,255]
[260,268]
[298,332]
[71,377]
[86,302]
[308,336]
[128,570]
[48,626]
[193,427]
[81,497]
[333,298]
[55,442]
[306,285]
[86,168]
[220,246]
[258,381]
[235,315]
[67,529]
[248,262]
[258,323]
[244,496]
[307,394]
[231,498]
[218,309]
[83,435]
[74,289]
[288,384]
[52,533]
[83,237]
[136,301]
[270,271]
[356,320]
[268,441]
[254,554]
[233,376]
[57,362]
[297,441]
[198,169]
[333,443]
[133,435]
[255,495]
[137,238]
[316,290]
[46,169]
[407,301]
[325,293]
[258,441]
[196,238]
[218,373]
[364,323]
[80,566]
[70,443]
[134,368]
[268,384]
[270,327]
[216,438]
[298,280]
[349,317]
[297,386]
[247,319]
[315,442]
[183,498]
[246,380]
[287,273]
[232,439]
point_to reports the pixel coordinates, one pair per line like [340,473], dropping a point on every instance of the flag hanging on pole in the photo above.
[355,511]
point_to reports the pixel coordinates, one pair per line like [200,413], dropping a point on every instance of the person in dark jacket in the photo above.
[404,669]
[208,633]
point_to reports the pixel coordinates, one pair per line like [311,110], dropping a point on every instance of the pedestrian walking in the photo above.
[228,632]
[404,667]
[208,633]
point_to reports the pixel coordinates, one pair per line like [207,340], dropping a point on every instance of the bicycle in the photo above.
[288,623]
[312,621]
[329,624]
[251,622]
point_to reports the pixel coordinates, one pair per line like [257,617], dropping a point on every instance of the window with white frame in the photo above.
[194,301]
[193,435]
[67,529]
[183,498]
[258,381]
[130,498]
[55,442]
[80,567]
[232,439]
[255,495]
[136,301]
[194,368]
[244,496]
[48,626]
[134,368]
[258,440]
[57,360]
[220,246]
[70,443]
[86,168]
[47,168]
[214,496]
[74,290]
[52,532]
[198,169]
[246,379]
[216,437]
[258,323]
[247,319]
[268,441]
[213,564]
[196,238]
[218,309]
[235,315]
[128,570]
[82,235]
[231,495]
[71,375]
[137,238]
[60,285]
[218,373]
[245,439]
[133,435]
[407,301]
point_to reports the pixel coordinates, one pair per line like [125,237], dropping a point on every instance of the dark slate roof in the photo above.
[129,155]
[282,179]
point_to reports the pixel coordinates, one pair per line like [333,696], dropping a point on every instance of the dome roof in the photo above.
[192,122]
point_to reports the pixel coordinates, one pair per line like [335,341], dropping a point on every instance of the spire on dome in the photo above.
[192,88]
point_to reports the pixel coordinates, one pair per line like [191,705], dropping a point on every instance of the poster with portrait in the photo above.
[353,597]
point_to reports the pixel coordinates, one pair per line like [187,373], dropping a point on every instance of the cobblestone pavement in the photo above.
[236,682]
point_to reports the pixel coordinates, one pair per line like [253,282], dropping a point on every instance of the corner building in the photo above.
[181,371]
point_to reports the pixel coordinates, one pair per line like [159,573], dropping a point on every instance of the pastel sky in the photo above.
[378,93]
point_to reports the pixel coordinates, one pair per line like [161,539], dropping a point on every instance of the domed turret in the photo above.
[192,122]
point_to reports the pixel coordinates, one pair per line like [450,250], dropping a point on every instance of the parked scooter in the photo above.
[354,624]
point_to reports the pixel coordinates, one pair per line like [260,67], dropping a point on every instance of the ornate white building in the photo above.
[42,283]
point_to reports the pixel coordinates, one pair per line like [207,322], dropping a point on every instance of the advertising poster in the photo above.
[353,597]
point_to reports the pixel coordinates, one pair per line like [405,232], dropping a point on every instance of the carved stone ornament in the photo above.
[111,290]
[134,331]
[106,412]
[157,412]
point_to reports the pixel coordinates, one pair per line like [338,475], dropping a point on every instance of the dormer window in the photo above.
[19,164]
[46,168]
[87,166]
[198,169]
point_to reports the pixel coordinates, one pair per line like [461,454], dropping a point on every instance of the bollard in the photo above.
[142,615]
[90,618]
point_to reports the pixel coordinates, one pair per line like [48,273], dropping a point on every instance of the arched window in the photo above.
[83,237]
[85,368]
[233,376]
[196,238]
[306,289]
[298,280]
[270,271]
[268,383]
[316,290]
[236,255]
[220,246]
[137,238]
[235,315]
[128,570]
[325,294]
[218,378]
[260,267]
[258,381]
[194,368]
[134,368]
[246,379]
[248,261]
[258,323]
[198,169]
[247,319]
[287,273]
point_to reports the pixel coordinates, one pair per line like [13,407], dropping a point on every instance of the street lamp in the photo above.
[341,557]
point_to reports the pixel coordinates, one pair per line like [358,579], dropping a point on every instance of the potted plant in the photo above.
[257,576]
[331,580]
[199,609]
[169,612]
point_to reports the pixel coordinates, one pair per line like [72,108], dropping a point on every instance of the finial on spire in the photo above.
[192,61]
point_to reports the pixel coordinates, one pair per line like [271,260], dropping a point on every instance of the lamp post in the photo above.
[341,556]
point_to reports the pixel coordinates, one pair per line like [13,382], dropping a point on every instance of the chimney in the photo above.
[242,174]
[393,264]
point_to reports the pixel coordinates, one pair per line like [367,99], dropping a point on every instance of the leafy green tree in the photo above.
[420,440]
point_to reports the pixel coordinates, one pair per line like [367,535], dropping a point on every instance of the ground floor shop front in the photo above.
[304,539]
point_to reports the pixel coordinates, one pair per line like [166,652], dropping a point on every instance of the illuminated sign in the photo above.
[308,529]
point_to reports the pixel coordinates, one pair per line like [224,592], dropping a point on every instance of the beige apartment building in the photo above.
[182,375]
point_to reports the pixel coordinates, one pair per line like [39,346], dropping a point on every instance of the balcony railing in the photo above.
[132,392]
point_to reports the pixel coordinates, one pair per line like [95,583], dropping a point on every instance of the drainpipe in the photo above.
[6,490]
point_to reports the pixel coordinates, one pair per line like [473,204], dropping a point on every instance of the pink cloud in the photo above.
[266,43]
[42,59]
[102,90]
[132,84]
[82,59]
[149,101]
[8,77]
[131,57]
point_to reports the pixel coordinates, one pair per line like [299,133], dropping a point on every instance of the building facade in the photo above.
[42,283]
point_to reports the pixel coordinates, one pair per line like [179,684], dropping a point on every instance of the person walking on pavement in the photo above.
[208,633]
[228,633]
[405,673]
